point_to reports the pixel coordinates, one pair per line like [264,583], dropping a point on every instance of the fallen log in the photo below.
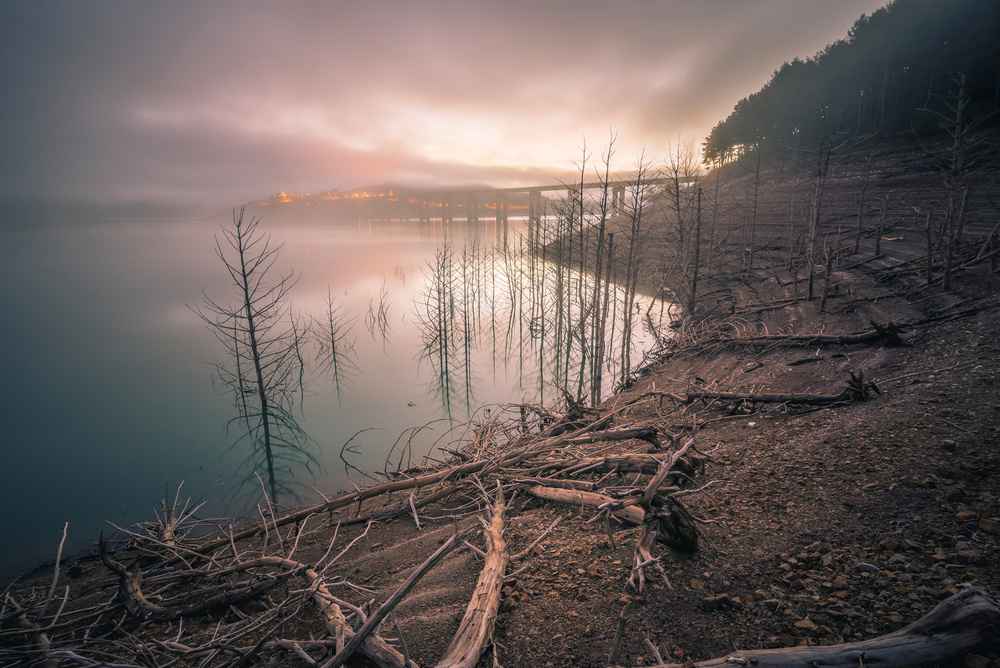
[625,463]
[772,398]
[857,390]
[575,497]
[476,629]
[956,626]
[888,333]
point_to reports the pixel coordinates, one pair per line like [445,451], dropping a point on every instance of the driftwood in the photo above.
[889,334]
[957,625]
[476,628]
[579,498]
[857,390]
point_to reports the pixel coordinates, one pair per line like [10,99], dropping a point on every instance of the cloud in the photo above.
[233,100]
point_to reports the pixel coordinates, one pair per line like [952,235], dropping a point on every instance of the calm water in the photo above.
[108,387]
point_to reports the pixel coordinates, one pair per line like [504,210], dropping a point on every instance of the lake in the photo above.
[111,394]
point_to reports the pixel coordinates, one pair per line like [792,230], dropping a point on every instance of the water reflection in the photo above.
[523,305]
[335,353]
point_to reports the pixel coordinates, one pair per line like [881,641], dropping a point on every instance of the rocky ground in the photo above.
[823,525]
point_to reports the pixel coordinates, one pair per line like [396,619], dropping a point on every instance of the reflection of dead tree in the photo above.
[444,321]
[262,344]
[336,347]
[377,317]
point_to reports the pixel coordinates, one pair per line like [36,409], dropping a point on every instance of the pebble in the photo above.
[865,567]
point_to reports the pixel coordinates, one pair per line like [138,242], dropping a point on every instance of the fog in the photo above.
[222,102]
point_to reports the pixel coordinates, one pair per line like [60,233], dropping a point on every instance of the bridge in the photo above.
[445,203]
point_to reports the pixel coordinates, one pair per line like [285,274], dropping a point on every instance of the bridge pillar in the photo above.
[534,205]
[446,213]
[473,215]
[502,208]
[618,199]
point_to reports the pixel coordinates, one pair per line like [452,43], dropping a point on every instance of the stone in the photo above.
[865,567]
[990,525]
[897,559]
[805,624]
[717,602]
[696,584]
[889,544]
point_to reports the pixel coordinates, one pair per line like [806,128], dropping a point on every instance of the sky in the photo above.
[214,103]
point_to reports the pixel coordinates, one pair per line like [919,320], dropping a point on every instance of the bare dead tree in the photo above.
[697,255]
[262,344]
[956,180]
[681,170]
[822,165]
[637,202]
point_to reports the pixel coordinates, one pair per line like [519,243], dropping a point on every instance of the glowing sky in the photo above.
[220,102]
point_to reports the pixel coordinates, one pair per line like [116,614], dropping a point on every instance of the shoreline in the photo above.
[827,524]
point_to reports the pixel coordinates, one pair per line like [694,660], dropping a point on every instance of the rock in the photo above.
[787,640]
[772,643]
[805,624]
[889,544]
[897,559]
[965,514]
[990,525]
[865,567]
[772,604]
[697,584]
[949,445]
[717,602]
